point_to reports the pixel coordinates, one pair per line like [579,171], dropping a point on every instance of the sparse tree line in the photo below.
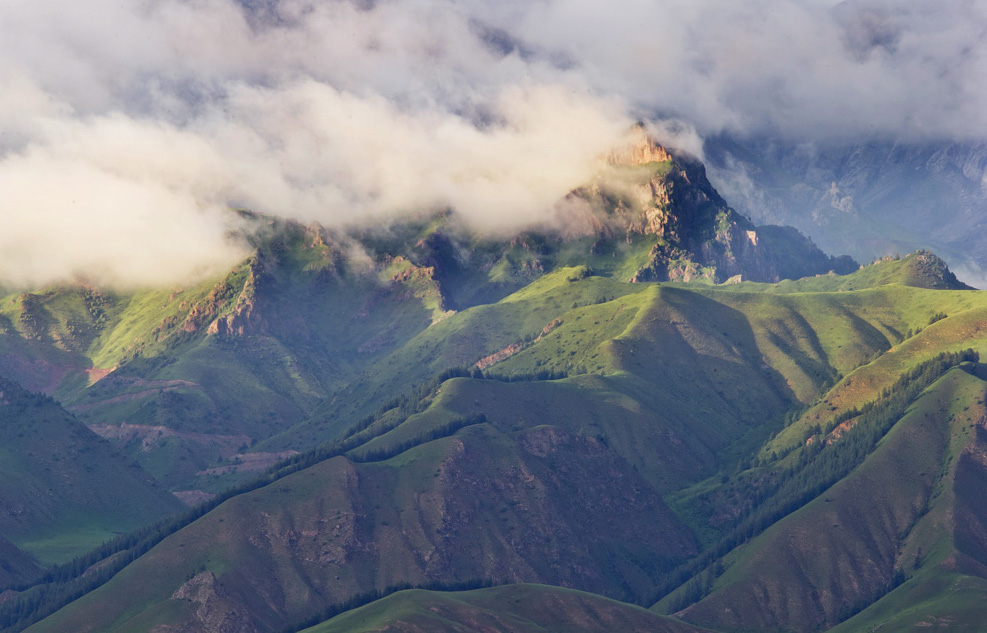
[445,430]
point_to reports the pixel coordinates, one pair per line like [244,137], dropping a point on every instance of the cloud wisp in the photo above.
[127,130]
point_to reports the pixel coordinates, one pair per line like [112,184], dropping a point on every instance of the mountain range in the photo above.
[865,196]
[647,414]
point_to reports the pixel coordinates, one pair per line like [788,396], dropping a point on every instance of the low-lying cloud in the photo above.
[127,130]
[122,200]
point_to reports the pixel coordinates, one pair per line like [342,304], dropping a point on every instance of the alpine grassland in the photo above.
[506,441]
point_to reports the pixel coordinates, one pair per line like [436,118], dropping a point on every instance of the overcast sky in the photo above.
[128,128]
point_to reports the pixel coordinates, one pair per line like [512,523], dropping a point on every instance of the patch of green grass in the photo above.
[523,608]
[938,601]
[72,539]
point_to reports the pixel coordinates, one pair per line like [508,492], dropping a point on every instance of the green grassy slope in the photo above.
[302,333]
[921,269]
[457,341]
[964,327]
[731,360]
[642,364]
[45,335]
[669,384]
[200,373]
[522,608]
[580,324]
[944,558]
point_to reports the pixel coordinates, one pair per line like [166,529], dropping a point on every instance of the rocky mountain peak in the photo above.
[639,148]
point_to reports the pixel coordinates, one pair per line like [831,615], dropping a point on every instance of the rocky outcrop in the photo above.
[215,612]
[242,317]
[927,270]
[640,148]
[514,348]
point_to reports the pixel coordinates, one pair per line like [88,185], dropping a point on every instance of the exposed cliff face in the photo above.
[649,207]
[646,198]
[241,318]
[211,600]
[641,148]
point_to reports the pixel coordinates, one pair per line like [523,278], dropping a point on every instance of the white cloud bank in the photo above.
[127,129]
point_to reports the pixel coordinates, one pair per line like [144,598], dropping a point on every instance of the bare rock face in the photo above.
[214,610]
[640,148]
[242,318]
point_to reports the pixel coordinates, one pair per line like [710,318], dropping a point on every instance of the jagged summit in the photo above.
[921,269]
[664,197]
[639,148]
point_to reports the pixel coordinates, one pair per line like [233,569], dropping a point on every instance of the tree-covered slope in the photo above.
[865,534]
[16,566]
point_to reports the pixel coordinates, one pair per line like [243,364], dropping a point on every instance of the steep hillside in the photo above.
[180,379]
[860,538]
[16,567]
[476,505]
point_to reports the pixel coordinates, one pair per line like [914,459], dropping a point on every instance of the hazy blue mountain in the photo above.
[867,199]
